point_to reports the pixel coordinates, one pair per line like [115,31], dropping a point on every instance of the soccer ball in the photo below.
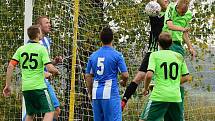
[153,9]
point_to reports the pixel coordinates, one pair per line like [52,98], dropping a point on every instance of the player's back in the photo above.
[168,66]
[32,58]
[105,68]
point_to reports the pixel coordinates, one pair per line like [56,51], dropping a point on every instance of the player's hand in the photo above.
[193,53]
[7,91]
[58,73]
[186,29]
[58,59]
[90,97]
[145,92]
[123,83]
[48,76]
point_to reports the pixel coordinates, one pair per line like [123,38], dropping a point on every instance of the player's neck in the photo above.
[43,35]
[108,44]
[36,40]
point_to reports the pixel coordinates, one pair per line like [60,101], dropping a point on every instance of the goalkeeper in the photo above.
[156,28]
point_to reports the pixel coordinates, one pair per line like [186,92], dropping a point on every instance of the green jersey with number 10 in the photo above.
[168,67]
[32,58]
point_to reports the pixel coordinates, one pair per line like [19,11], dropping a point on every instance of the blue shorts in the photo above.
[107,109]
[52,94]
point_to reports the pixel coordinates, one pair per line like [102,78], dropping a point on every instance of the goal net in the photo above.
[131,35]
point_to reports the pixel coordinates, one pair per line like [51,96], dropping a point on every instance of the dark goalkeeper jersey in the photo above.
[156,28]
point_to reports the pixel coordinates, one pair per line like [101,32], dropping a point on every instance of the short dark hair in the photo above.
[33,32]
[106,35]
[165,40]
[38,20]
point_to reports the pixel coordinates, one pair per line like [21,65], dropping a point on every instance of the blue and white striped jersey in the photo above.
[105,64]
[46,41]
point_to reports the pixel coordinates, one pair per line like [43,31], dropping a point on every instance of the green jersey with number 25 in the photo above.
[32,58]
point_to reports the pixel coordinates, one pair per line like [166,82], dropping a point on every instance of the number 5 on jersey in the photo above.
[100,65]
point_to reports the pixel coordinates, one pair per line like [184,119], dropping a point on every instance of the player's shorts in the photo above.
[157,111]
[37,101]
[53,96]
[145,62]
[167,117]
[107,109]
[177,47]
[181,104]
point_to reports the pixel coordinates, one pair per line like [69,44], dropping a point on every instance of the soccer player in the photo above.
[101,77]
[32,58]
[177,18]
[156,28]
[176,22]
[167,66]
[44,23]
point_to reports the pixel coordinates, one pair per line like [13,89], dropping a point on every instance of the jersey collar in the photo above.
[31,41]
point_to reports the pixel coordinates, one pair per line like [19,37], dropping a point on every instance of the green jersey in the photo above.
[168,67]
[32,57]
[182,21]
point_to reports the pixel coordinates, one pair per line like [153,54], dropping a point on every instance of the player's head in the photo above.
[34,32]
[182,6]
[106,35]
[163,3]
[165,40]
[44,23]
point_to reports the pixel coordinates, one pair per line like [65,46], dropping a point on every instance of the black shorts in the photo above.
[145,62]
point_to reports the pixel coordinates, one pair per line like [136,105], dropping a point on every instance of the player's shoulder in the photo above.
[117,52]
[172,5]
[189,13]
[21,48]
[40,47]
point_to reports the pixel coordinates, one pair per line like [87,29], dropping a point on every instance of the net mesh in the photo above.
[131,27]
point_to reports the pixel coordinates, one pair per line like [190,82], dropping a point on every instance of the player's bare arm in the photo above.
[89,82]
[185,79]
[9,75]
[124,79]
[52,69]
[189,45]
[147,81]
[176,28]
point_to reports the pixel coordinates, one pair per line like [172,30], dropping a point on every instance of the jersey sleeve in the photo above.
[188,18]
[121,64]
[151,66]
[184,70]
[16,55]
[45,56]
[89,69]
[169,11]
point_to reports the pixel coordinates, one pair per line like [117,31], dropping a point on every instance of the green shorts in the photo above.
[158,111]
[38,101]
[167,117]
[177,47]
